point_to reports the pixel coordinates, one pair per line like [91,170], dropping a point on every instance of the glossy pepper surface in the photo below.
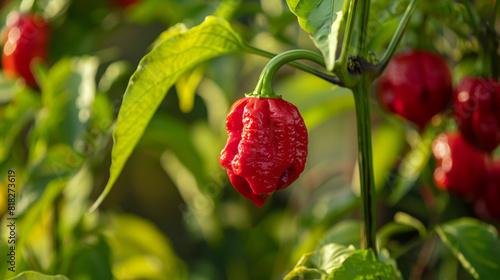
[416,85]
[477,111]
[25,40]
[266,148]
[461,168]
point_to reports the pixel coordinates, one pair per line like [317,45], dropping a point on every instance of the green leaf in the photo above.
[156,73]
[320,263]
[186,87]
[34,275]
[166,132]
[363,264]
[134,251]
[323,20]
[93,261]
[475,244]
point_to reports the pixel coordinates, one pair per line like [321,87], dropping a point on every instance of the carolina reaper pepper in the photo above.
[416,85]
[25,39]
[266,148]
[461,168]
[477,111]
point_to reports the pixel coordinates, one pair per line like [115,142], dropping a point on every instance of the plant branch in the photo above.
[316,72]
[391,49]
[365,158]
[264,87]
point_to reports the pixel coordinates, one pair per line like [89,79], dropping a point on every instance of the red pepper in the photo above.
[266,148]
[461,168]
[26,40]
[477,111]
[416,85]
[492,192]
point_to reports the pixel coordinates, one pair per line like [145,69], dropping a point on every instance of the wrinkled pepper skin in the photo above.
[461,168]
[26,39]
[477,111]
[266,148]
[416,85]
[492,192]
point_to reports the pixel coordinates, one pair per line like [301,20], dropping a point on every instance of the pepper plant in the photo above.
[422,202]
[340,31]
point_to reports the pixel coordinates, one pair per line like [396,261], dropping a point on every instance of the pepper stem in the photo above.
[264,87]
[365,158]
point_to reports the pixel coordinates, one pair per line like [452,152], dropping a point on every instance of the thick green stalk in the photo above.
[365,158]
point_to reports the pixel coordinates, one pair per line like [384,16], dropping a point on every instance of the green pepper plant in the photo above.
[421,78]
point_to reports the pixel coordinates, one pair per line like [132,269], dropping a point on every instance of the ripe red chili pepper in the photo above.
[492,191]
[266,148]
[416,85]
[477,111]
[461,168]
[26,40]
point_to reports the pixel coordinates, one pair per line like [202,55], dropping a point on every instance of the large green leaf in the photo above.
[33,275]
[475,244]
[323,20]
[156,73]
[363,264]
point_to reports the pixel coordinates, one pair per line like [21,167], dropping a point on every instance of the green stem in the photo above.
[317,72]
[360,46]
[368,194]
[391,49]
[341,65]
[264,87]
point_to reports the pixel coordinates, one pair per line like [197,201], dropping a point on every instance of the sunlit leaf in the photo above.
[156,73]
[363,264]
[323,20]
[186,87]
[475,244]
[34,275]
